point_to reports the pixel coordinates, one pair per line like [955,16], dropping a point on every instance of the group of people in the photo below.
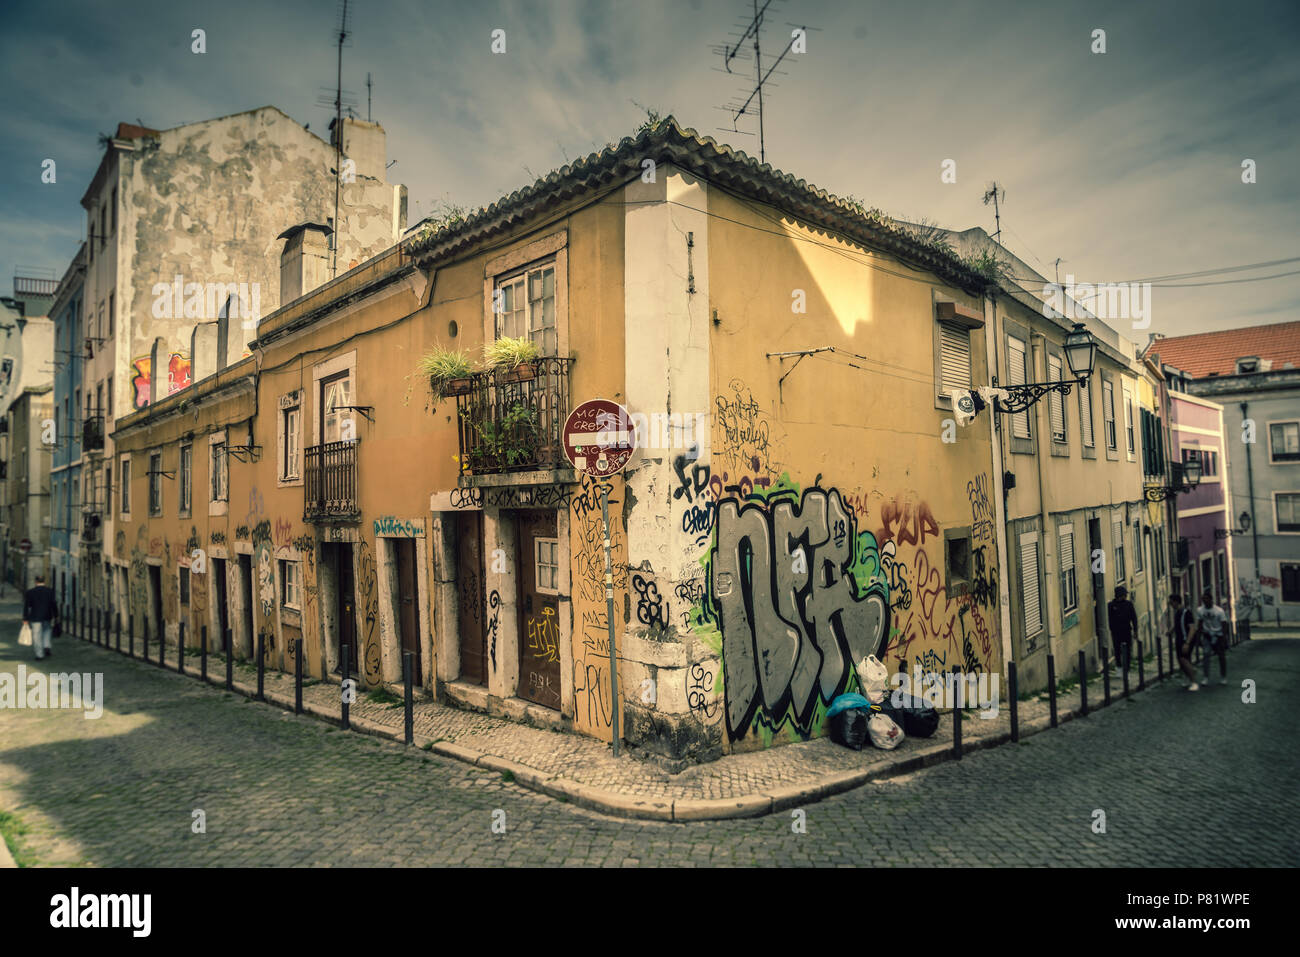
[1204,629]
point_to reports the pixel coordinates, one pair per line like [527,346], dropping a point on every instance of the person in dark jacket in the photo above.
[1182,624]
[40,611]
[1123,626]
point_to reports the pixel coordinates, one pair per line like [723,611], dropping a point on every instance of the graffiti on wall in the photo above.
[494,601]
[368,603]
[178,377]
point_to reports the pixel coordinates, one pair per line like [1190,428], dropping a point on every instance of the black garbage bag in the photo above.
[849,728]
[914,716]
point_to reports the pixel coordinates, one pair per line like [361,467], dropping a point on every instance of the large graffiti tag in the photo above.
[800,597]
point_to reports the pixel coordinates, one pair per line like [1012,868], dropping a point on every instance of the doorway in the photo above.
[1098,580]
[337,557]
[223,608]
[470,598]
[407,617]
[246,598]
[539,623]
[155,605]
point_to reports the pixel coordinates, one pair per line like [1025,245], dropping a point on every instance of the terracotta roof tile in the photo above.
[1216,353]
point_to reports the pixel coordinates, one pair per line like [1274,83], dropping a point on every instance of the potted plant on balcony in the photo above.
[448,371]
[515,360]
[507,442]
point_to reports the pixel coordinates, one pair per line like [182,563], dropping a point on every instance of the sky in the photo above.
[1124,165]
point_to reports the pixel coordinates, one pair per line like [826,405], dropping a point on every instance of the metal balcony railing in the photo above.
[511,421]
[330,481]
[92,434]
[90,525]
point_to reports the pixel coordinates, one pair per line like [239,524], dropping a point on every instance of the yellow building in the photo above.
[801,495]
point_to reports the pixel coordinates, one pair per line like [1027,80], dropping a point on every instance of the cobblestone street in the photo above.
[1184,780]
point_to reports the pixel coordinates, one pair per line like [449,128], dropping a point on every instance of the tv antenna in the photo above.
[341,99]
[995,194]
[751,34]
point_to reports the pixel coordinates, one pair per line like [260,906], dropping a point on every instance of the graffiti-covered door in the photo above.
[155,604]
[246,595]
[347,605]
[539,624]
[470,598]
[1098,580]
[407,592]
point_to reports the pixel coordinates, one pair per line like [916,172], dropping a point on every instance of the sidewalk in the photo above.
[583,771]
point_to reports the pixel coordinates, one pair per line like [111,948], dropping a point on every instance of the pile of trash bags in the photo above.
[877,716]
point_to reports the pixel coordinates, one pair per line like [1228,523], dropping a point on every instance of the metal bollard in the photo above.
[1160,658]
[81,631]
[1105,676]
[1083,684]
[956,719]
[297,676]
[1124,666]
[343,689]
[261,665]
[406,681]
[1142,671]
[230,661]
[1051,684]
[1014,695]
[130,633]
[117,630]
[180,647]
[146,639]
[203,653]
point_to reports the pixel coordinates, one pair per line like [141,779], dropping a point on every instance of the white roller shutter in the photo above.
[1056,401]
[1085,413]
[1029,583]
[1016,372]
[954,356]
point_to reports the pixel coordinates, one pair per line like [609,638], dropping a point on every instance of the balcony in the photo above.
[511,421]
[330,482]
[90,525]
[92,434]
[1179,553]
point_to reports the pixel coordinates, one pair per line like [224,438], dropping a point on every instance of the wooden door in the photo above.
[539,623]
[346,609]
[407,593]
[471,601]
[223,609]
[247,640]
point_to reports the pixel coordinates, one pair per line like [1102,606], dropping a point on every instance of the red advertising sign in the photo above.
[599,437]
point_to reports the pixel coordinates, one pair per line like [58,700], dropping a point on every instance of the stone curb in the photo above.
[617,804]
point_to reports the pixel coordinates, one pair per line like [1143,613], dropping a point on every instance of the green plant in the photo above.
[507,776]
[384,696]
[445,363]
[510,439]
[507,353]
[10,830]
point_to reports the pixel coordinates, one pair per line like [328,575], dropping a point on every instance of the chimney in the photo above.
[366,144]
[304,263]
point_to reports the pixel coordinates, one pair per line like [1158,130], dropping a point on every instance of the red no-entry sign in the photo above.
[25,545]
[599,437]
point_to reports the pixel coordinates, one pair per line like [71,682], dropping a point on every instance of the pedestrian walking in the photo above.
[40,611]
[1182,621]
[1212,632]
[1123,626]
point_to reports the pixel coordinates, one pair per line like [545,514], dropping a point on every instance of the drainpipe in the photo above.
[1053,632]
[1254,526]
[999,493]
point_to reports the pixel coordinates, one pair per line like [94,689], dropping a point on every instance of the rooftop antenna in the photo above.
[995,194]
[341,99]
[369,88]
[732,52]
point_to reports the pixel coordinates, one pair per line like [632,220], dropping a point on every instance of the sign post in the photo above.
[599,438]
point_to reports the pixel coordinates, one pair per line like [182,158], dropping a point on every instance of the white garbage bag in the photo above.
[884,731]
[873,676]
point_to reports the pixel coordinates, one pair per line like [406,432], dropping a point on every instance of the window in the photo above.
[124,470]
[1208,458]
[1286,506]
[111,301]
[954,356]
[1284,442]
[1108,412]
[336,418]
[1056,401]
[1085,414]
[1069,587]
[1207,574]
[217,468]
[186,471]
[1017,372]
[99,399]
[547,559]
[155,483]
[1128,421]
[525,307]
[185,585]
[1290,582]
[1117,539]
[957,550]
[1029,583]
[1137,548]
[1158,543]
[1221,575]
[291,439]
[108,487]
[108,398]
[291,584]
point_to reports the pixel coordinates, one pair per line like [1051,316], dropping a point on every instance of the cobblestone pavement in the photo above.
[283,790]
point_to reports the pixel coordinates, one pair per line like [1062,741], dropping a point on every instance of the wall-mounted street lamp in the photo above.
[1242,529]
[1190,478]
[1080,355]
